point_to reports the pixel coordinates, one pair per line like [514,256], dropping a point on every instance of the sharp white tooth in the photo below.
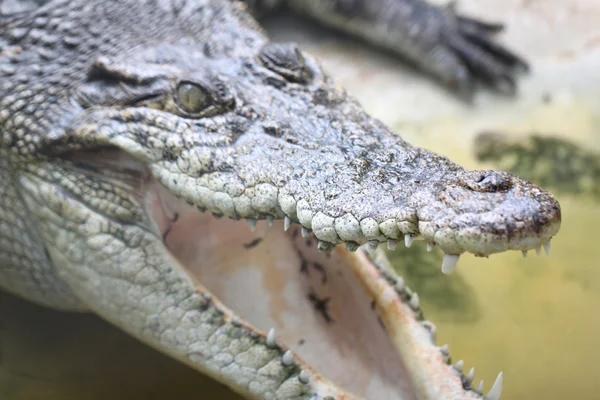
[538,250]
[303,377]
[496,390]
[270,342]
[429,247]
[287,359]
[352,246]
[445,350]
[305,232]
[414,301]
[287,222]
[408,239]
[270,219]
[547,246]
[524,252]
[400,284]
[449,262]
[459,365]
[431,328]
[392,244]
[470,376]
[251,223]
[480,387]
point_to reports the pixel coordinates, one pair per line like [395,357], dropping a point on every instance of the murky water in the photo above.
[537,319]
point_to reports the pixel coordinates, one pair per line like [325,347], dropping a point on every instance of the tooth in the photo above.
[270,219]
[480,387]
[449,262]
[373,244]
[547,246]
[287,359]
[270,342]
[496,390]
[408,239]
[429,247]
[287,222]
[445,350]
[431,328]
[414,301]
[305,232]
[352,246]
[303,377]
[524,252]
[251,223]
[538,250]
[470,376]
[459,365]
[325,247]
[400,284]
[392,244]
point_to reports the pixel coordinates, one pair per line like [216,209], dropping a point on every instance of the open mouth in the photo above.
[344,317]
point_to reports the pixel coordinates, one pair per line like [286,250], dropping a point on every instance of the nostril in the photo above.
[488,181]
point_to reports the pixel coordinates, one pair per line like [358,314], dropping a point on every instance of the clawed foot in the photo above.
[466,53]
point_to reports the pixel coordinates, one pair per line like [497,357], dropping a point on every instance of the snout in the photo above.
[486,212]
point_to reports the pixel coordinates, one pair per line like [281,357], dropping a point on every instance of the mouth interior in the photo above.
[277,279]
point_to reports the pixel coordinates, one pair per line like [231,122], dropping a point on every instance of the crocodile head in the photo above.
[262,133]
[162,132]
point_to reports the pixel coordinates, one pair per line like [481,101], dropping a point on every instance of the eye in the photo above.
[192,98]
[287,60]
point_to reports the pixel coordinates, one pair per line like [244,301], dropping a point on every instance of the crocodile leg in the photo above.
[457,50]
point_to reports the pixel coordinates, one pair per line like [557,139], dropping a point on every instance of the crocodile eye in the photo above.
[192,98]
[286,60]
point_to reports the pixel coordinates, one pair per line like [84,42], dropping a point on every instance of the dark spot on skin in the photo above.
[301,342]
[321,305]
[304,267]
[253,243]
[321,269]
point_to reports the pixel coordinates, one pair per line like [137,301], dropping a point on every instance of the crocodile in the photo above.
[136,137]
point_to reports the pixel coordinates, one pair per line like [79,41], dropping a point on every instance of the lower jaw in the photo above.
[351,319]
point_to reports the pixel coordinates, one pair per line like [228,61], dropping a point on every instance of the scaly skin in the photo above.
[120,121]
